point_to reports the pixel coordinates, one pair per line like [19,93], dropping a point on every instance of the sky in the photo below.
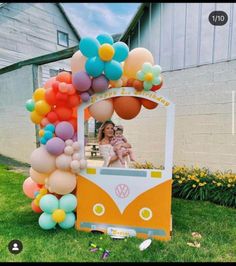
[92,19]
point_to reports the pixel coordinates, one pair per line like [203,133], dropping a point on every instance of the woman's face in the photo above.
[109,131]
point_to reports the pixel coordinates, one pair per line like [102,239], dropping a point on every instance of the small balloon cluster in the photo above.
[102,64]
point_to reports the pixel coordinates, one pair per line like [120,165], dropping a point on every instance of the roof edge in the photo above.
[68,20]
[134,21]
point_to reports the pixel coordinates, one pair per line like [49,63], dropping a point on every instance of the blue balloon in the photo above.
[105,38]
[113,70]
[68,202]
[89,46]
[69,221]
[94,66]
[46,222]
[47,134]
[49,203]
[50,127]
[121,51]
[43,140]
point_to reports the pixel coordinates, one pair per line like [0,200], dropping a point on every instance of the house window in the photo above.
[62,38]
[53,72]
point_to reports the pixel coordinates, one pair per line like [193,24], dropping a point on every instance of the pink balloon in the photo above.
[30,187]
[64,130]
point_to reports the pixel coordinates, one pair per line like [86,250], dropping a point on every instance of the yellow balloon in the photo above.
[58,215]
[35,117]
[106,52]
[39,94]
[124,80]
[77,62]
[137,57]
[41,133]
[36,202]
[42,108]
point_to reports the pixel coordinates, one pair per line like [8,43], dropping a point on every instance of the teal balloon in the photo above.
[47,134]
[30,105]
[121,51]
[94,66]
[105,38]
[68,202]
[69,221]
[89,46]
[50,127]
[43,140]
[49,203]
[113,70]
[46,222]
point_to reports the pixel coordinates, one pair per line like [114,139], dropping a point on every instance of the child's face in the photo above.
[118,133]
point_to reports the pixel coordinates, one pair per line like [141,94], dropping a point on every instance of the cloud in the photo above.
[91,19]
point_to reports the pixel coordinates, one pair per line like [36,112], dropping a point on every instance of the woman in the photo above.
[105,134]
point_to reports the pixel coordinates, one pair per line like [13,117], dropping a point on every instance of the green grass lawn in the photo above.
[216,224]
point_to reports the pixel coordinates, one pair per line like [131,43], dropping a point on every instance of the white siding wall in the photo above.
[182,36]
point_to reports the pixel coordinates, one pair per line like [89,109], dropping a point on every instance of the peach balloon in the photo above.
[137,57]
[102,110]
[63,162]
[39,178]
[42,161]
[30,187]
[61,182]
[77,62]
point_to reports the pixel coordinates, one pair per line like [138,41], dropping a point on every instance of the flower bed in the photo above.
[196,183]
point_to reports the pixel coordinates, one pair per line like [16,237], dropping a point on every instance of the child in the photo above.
[117,142]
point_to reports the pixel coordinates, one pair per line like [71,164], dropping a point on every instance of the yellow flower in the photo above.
[180,181]
[218,184]
[228,185]
[201,184]
[193,185]
[230,180]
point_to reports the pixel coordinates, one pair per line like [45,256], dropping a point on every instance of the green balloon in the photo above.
[30,105]
[46,222]
[69,221]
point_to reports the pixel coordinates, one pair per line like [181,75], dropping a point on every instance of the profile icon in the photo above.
[15,246]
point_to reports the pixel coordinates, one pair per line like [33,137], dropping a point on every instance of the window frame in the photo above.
[67,35]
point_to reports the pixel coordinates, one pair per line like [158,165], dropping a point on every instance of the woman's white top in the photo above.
[106,151]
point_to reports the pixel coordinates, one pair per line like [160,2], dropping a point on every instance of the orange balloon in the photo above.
[137,57]
[35,208]
[86,114]
[48,83]
[148,104]
[64,77]
[130,82]
[63,113]
[127,107]
[138,85]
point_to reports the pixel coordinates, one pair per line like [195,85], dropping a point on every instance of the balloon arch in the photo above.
[105,78]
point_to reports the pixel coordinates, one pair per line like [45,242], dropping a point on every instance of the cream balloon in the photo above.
[39,178]
[77,62]
[61,182]
[63,162]
[102,110]
[137,57]
[42,161]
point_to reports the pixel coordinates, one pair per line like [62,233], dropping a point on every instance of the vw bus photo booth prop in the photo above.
[126,202]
